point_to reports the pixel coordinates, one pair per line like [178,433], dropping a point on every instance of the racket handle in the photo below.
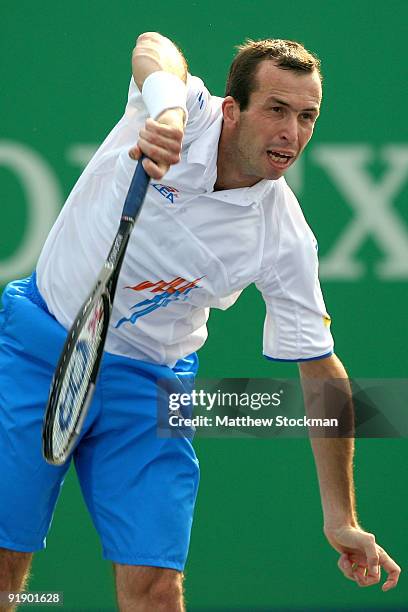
[137,191]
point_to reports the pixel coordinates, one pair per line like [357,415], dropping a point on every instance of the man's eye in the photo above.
[276,109]
[307,116]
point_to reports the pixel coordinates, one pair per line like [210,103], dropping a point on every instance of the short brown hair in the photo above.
[287,54]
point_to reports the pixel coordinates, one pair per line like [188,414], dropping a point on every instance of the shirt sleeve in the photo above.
[297,325]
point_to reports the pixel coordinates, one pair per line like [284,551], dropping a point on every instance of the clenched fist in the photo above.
[161,142]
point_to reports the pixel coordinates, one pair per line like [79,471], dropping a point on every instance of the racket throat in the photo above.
[118,249]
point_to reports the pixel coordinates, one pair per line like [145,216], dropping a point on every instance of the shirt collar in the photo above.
[205,147]
[204,151]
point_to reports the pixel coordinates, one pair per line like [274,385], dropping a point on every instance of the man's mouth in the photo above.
[280,159]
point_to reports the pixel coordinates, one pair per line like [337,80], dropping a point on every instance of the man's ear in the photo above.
[230,111]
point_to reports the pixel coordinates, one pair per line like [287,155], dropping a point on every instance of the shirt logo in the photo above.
[166,191]
[166,292]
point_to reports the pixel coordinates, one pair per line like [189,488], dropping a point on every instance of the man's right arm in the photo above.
[161,138]
[155,52]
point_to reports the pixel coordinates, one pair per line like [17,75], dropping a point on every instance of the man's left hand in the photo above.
[361,558]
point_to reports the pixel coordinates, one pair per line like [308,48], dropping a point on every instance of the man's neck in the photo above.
[229,173]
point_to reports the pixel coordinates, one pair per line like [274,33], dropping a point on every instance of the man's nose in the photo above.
[289,130]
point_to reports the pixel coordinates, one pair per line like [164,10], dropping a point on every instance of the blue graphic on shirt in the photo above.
[175,290]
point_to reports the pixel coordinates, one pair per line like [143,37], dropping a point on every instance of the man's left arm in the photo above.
[361,558]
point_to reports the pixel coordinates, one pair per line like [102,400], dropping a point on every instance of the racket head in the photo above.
[77,369]
[75,376]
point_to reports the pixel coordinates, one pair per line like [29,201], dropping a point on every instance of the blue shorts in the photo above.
[140,489]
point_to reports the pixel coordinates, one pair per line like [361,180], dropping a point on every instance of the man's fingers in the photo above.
[393,570]
[168,131]
[367,571]
[162,141]
[361,558]
[364,579]
[158,154]
[345,566]
[155,171]
[371,552]
[165,139]
[358,572]
[365,564]
[135,153]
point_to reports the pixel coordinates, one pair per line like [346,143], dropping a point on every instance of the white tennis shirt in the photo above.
[192,248]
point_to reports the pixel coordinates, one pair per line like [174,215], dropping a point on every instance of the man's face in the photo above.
[278,122]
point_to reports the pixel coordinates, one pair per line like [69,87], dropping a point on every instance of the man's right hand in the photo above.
[161,142]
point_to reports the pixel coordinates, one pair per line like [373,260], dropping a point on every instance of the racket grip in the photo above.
[137,191]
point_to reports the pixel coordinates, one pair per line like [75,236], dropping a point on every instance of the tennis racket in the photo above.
[75,376]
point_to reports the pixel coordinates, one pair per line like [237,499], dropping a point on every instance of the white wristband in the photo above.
[163,90]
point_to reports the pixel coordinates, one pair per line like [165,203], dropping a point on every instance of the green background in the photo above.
[257,541]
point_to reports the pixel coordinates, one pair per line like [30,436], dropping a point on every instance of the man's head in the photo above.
[273,97]
[286,54]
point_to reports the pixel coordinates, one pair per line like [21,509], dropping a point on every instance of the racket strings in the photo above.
[77,374]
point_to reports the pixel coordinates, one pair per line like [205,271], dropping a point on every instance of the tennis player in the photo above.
[218,217]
